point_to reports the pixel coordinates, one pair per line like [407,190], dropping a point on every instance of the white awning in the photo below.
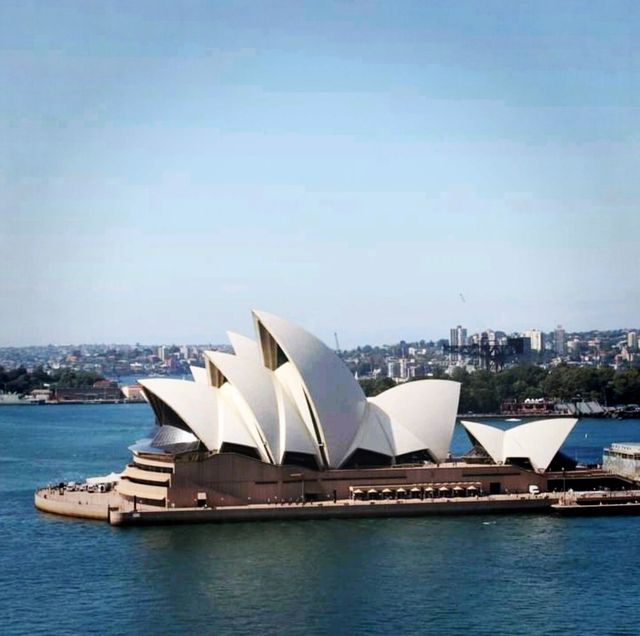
[386,490]
[458,488]
[428,489]
[357,491]
[372,491]
[107,479]
[415,490]
[443,488]
[471,488]
[401,490]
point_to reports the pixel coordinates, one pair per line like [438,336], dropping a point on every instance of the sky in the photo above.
[383,170]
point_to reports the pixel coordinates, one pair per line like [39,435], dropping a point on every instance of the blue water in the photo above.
[493,575]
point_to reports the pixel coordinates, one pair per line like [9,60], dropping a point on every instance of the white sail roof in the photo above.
[244,347]
[426,411]
[298,434]
[374,433]
[336,401]
[236,428]
[255,392]
[196,404]
[290,393]
[537,441]
[199,374]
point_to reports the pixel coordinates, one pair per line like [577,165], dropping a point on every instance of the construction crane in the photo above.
[335,335]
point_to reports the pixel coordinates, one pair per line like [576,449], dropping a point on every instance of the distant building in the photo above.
[488,337]
[520,345]
[559,340]
[458,336]
[133,393]
[632,341]
[101,391]
[537,339]
[623,459]
[574,346]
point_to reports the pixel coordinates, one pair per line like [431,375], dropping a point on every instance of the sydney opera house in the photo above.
[284,420]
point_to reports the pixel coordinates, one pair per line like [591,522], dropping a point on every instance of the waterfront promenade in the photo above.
[113,508]
[120,512]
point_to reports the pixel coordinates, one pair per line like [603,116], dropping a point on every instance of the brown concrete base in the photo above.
[119,512]
[504,504]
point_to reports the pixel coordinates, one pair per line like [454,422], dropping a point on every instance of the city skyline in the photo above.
[376,171]
[537,336]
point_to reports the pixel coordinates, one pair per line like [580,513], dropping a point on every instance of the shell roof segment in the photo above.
[538,441]
[244,346]
[336,400]
[421,413]
[196,404]
[255,391]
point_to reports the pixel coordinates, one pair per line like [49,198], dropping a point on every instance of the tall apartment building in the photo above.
[559,339]
[632,341]
[458,336]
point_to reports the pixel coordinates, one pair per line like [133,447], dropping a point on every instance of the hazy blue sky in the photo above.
[354,166]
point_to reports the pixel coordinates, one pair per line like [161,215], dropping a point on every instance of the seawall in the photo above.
[339,510]
[82,505]
[112,508]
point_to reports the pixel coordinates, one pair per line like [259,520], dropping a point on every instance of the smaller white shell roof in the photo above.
[296,426]
[422,414]
[491,438]
[374,433]
[199,374]
[234,427]
[195,403]
[254,384]
[539,441]
[244,346]
[295,436]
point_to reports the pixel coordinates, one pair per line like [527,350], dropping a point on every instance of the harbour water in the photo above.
[533,574]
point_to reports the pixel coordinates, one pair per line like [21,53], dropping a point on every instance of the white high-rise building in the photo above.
[632,341]
[458,336]
[537,339]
